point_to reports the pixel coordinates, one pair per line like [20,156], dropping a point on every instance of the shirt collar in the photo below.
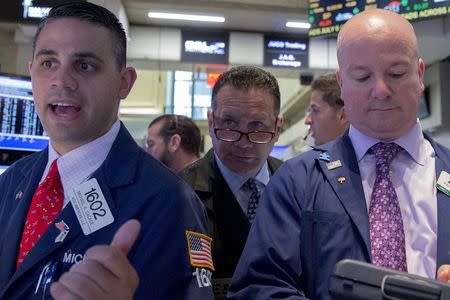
[412,142]
[235,181]
[80,159]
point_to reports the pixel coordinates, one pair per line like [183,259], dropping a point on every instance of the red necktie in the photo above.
[45,206]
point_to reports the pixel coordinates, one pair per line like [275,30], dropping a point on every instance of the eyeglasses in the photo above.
[256,137]
[232,135]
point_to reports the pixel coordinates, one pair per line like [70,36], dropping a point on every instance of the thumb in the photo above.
[442,273]
[126,235]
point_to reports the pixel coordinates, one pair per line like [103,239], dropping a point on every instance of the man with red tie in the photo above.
[58,204]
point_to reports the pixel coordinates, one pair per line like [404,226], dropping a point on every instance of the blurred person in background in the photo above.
[174,140]
[326,117]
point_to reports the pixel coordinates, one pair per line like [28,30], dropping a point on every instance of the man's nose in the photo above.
[308,118]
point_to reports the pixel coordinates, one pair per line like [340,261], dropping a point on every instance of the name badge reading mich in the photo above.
[90,206]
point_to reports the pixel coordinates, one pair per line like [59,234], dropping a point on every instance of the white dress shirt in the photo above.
[76,166]
[236,181]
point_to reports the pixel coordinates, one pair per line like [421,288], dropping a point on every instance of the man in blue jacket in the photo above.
[370,195]
[58,203]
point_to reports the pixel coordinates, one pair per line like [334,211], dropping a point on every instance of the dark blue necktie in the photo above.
[255,194]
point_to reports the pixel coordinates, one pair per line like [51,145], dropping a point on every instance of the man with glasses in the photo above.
[174,140]
[244,125]
[326,117]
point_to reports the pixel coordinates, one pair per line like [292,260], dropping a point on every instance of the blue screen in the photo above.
[20,128]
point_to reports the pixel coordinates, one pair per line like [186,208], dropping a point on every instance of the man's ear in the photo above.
[280,122]
[341,114]
[342,117]
[174,143]
[210,123]
[339,78]
[128,77]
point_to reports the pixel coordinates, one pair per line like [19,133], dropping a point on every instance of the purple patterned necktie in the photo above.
[386,226]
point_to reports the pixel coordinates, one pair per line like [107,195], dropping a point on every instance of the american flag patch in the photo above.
[199,246]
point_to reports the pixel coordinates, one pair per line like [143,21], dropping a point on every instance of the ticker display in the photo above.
[417,9]
[327,16]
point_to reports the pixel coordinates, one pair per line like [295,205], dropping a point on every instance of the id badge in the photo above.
[90,206]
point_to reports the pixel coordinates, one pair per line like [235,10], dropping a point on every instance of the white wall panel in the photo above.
[322,53]
[154,43]
[246,48]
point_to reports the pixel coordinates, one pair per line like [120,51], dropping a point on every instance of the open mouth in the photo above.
[65,110]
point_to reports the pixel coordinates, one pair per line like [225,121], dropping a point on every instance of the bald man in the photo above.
[371,194]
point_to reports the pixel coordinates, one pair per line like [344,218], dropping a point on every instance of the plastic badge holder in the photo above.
[356,280]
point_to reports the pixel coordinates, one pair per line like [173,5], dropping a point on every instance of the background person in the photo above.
[326,117]
[370,195]
[78,77]
[244,123]
[174,140]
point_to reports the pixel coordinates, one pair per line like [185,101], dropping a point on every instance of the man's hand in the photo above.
[105,272]
[443,273]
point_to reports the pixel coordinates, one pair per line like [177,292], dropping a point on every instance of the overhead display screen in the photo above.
[327,16]
[205,47]
[287,52]
[27,11]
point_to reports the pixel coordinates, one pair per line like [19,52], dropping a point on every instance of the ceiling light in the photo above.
[303,25]
[199,18]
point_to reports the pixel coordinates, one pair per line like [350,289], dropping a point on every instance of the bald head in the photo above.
[376,24]
[380,74]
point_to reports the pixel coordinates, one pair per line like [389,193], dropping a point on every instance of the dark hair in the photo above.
[93,13]
[328,85]
[246,78]
[183,126]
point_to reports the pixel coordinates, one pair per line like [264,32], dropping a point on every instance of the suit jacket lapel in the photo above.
[24,194]
[346,182]
[443,207]
[273,164]
[47,244]
[226,205]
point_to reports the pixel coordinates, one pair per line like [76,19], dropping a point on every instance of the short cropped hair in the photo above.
[328,85]
[246,78]
[86,11]
[183,126]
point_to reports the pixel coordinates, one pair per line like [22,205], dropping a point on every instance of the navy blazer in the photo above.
[308,221]
[135,186]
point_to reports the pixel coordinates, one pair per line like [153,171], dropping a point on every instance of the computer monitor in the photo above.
[20,128]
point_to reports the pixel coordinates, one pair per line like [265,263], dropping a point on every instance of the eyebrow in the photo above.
[85,54]
[353,67]
[357,68]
